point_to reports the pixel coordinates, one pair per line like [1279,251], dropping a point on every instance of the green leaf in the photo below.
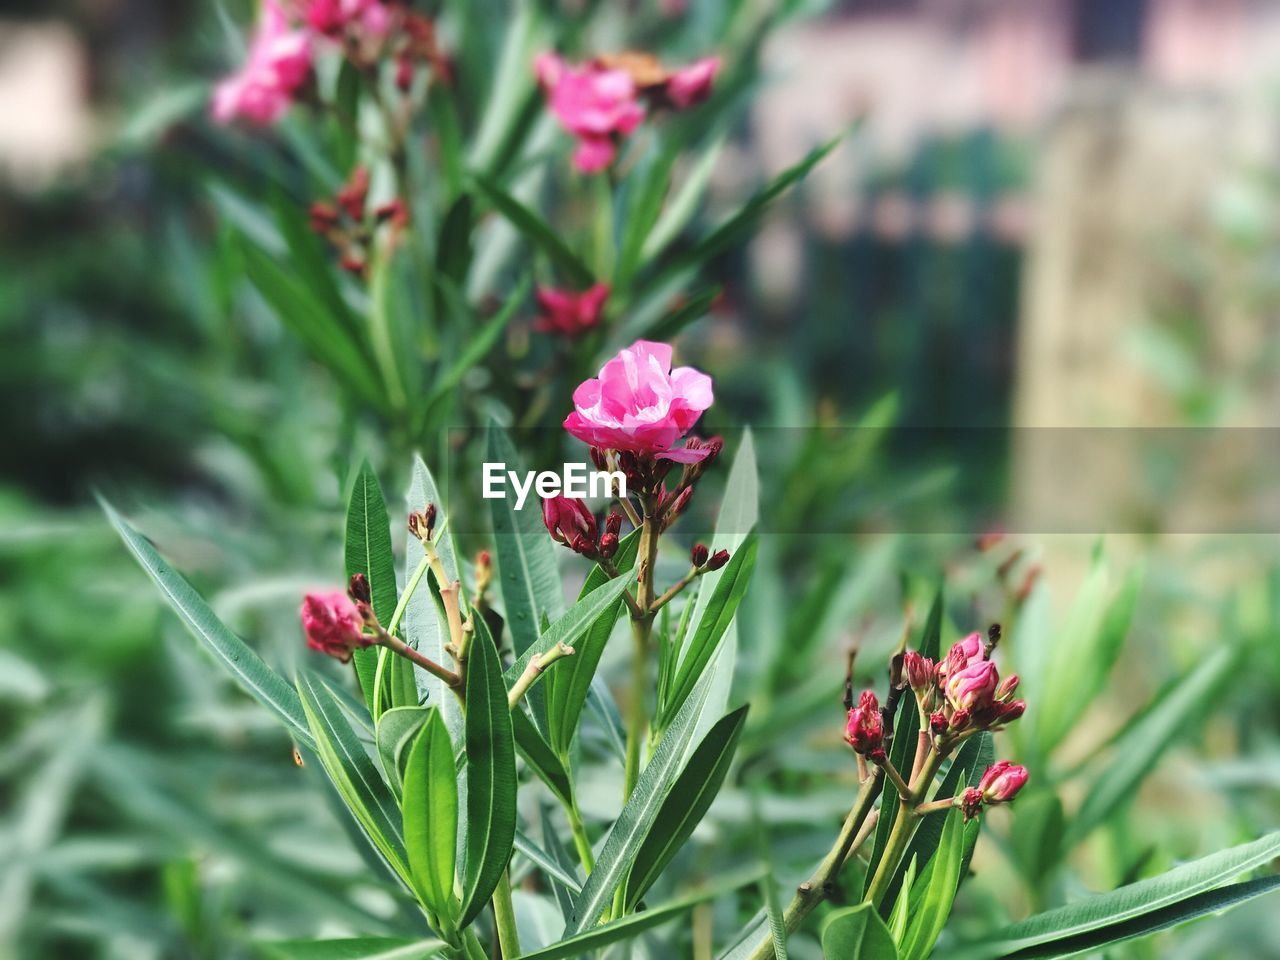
[935,891]
[479,345]
[857,933]
[357,948]
[581,943]
[547,863]
[536,230]
[568,684]
[397,730]
[524,554]
[630,831]
[430,813]
[491,774]
[353,774]
[902,906]
[571,626]
[687,803]
[1143,741]
[716,617]
[538,754]
[367,550]
[249,670]
[310,259]
[1148,905]
[684,204]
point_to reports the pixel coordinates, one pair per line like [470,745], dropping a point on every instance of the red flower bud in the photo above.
[570,522]
[353,194]
[1004,692]
[718,560]
[699,554]
[1002,781]
[333,624]
[323,217]
[613,523]
[358,589]
[394,212]
[864,730]
[1008,712]
[959,720]
[971,802]
[608,545]
[919,671]
[938,722]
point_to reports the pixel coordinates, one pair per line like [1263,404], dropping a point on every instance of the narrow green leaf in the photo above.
[367,550]
[536,230]
[249,670]
[687,803]
[538,754]
[356,948]
[857,933]
[631,829]
[684,204]
[352,772]
[430,813]
[935,891]
[478,345]
[716,617]
[568,685]
[1125,905]
[547,863]
[396,732]
[902,907]
[491,775]
[571,625]
[526,571]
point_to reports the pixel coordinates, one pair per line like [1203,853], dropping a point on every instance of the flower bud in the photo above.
[1004,692]
[1007,713]
[570,522]
[919,671]
[322,216]
[1002,781]
[974,686]
[333,624]
[608,545]
[613,523]
[422,522]
[864,730]
[938,722]
[718,560]
[358,589]
[484,571]
[959,720]
[599,459]
[353,194]
[699,554]
[971,802]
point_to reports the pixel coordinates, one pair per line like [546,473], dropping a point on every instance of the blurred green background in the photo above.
[1054,216]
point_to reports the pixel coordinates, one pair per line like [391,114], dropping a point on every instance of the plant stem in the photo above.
[641,629]
[671,594]
[903,828]
[819,886]
[399,647]
[504,916]
[534,671]
[410,587]
[580,839]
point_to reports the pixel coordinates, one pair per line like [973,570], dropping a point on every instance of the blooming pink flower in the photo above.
[570,522]
[332,624]
[1002,781]
[973,687]
[692,84]
[596,104]
[333,17]
[864,730]
[569,312]
[278,64]
[638,403]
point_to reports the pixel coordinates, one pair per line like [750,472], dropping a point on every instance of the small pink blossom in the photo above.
[692,84]
[332,18]
[962,654]
[1002,781]
[596,104]
[570,522]
[569,312]
[974,687]
[332,624]
[278,65]
[864,730]
[638,403]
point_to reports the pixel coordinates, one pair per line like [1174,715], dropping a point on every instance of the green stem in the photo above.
[899,837]
[641,629]
[472,947]
[580,838]
[504,915]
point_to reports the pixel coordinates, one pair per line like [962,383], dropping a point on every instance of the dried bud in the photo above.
[1002,781]
[919,672]
[613,523]
[332,623]
[718,560]
[699,554]
[864,729]
[358,589]
[422,523]
[608,545]
[971,802]
[570,522]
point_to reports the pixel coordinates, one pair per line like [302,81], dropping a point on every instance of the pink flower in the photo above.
[570,522]
[333,17]
[332,624]
[1002,781]
[965,653]
[596,104]
[278,64]
[919,671]
[638,403]
[571,313]
[692,84]
[864,730]
[973,687]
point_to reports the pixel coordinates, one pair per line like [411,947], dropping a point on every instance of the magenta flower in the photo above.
[864,730]
[596,104]
[962,654]
[570,522]
[332,624]
[638,403]
[974,687]
[692,84]
[278,65]
[568,312]
[919,671]
[333,17]
[1002,781]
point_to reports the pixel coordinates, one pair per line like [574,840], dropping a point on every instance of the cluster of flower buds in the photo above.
[348,224]
[571,523]
[999,784]
[963,692]
[334,621]
[704,561]
[864,728]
